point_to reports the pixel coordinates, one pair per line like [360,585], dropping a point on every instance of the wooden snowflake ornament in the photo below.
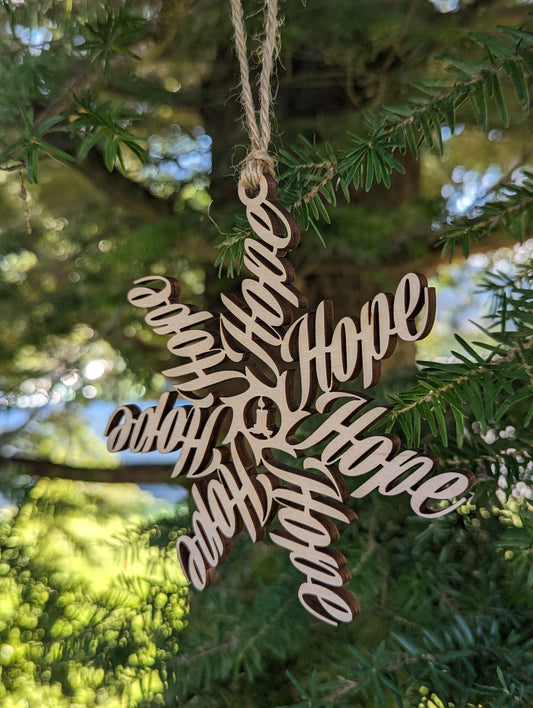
[252,381]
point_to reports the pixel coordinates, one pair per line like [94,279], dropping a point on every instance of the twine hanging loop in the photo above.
[258,161]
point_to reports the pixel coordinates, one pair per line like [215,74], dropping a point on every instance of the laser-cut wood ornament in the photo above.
[252,382]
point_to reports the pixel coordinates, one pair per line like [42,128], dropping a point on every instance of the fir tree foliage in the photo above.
[510,208]
[446,618]
[90,43]
[479,405]
[430,634]
[313,176]
[73,630]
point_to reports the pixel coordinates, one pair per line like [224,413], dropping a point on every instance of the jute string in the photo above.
[258,161]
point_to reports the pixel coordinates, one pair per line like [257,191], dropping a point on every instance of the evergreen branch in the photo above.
[104,122]
[436,656]
[407,127]
[511,209]
[185,660]
[527,366]
[492,392]
[33,145]
[12,168]
[254,640]
[313,175]
[461,373]
[351,687]
[64,102]
[334,697]
[330,167]
[231,249]
[110,36]
[431,397]
[484,460]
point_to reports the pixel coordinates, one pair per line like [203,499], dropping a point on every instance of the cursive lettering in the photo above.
[198,346]
[236,499]
[288,366]
[327,355]
[307,500]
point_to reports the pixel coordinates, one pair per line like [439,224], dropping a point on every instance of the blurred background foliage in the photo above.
[120,135]
[92,604]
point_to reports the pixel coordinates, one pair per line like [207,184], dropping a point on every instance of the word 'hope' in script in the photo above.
[250,377]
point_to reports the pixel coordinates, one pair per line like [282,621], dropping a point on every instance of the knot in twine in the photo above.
[254,166]
[258,161]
